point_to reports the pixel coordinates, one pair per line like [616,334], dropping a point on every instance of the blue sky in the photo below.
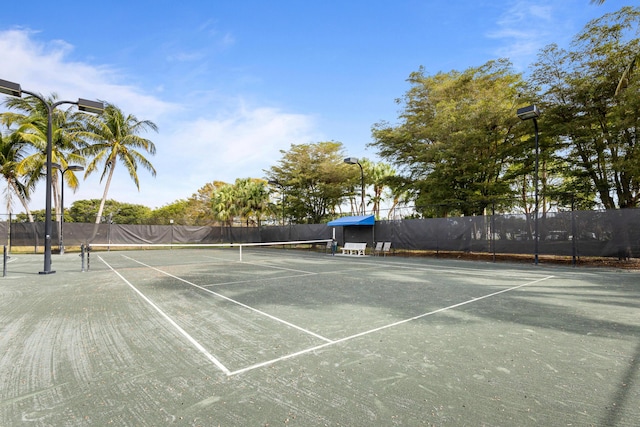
[231,83]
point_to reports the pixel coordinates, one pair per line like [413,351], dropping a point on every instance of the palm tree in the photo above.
[115,138]
[252,199]
[31,130]
[377,175]
[223,204]
[11,154]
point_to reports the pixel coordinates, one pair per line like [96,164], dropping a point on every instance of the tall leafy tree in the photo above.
[176,211]
[629,70]
[314,178]
[115,138]
[117,212]
[456,138]
[598,127]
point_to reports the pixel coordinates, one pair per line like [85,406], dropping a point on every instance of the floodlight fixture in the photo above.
[88,106]
[10,88]
[351,160]
[530,112]
[354,161]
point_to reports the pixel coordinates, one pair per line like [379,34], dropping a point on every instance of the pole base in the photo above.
[47,272]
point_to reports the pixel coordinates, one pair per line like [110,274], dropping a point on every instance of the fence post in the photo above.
[4,261]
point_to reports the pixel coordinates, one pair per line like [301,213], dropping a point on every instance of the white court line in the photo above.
[303,273]
[258,279]
[172,322]
[270,316]
[458,270]
[273,266]
[391,325]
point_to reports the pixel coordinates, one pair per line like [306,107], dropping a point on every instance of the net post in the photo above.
[82,256]
[85,249]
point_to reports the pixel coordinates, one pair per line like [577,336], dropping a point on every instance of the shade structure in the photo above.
[353,220]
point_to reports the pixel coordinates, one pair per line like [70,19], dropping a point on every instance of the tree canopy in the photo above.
[456,137]
[594,125]
[314,180]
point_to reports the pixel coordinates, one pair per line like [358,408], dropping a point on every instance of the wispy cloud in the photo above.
[223,140]
[239,143]
[45,67]
[524,28]
[227,40]
[185,56]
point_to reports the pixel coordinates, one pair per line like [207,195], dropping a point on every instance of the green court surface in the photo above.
[198,337]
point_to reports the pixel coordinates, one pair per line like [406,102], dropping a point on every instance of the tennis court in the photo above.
[288,337]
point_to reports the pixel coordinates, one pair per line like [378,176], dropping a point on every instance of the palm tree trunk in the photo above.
[104,195]
[23,201]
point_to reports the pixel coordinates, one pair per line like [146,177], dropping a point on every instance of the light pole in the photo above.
[354,161]
[277,184]
[13,89]
[528,113]
[73,168]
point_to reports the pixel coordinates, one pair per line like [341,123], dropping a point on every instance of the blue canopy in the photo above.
[353,220]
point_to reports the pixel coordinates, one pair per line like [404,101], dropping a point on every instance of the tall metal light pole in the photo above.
[528,113]
[73,168]
[277,184]
[13,89]
[354,161]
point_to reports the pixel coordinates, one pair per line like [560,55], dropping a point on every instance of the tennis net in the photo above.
[241,248]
